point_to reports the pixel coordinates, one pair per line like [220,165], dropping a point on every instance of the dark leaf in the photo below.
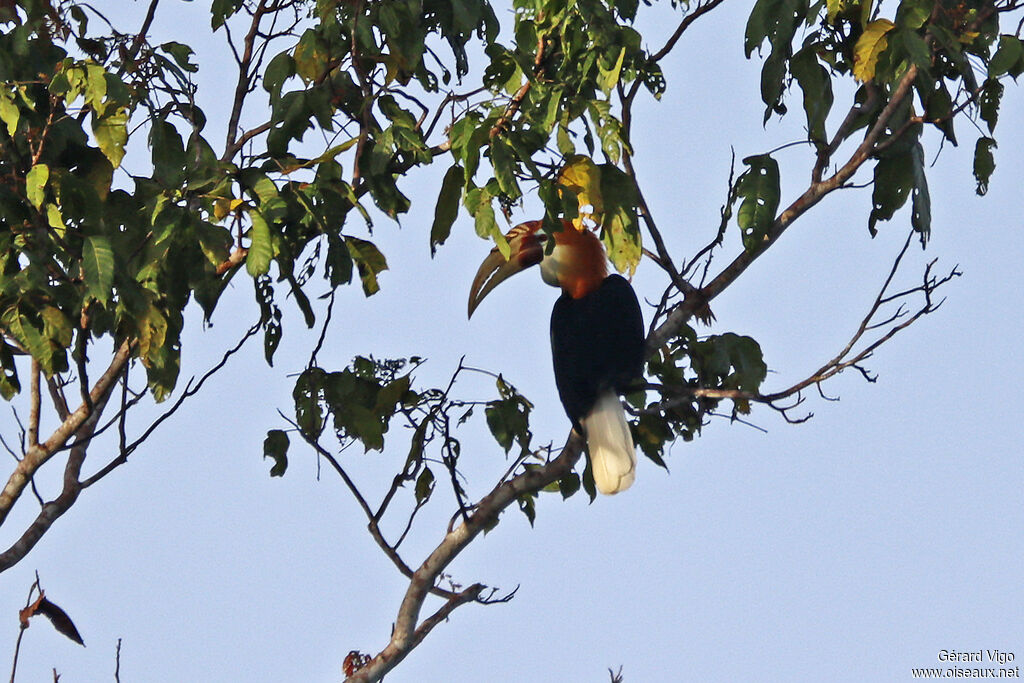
[447,208]
[894,179]
[988,102]
[1008,55]
[921,204]
[424,485]
[984,163]
[276,446]
[369,261]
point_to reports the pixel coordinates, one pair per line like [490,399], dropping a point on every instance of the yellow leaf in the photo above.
[967,37]
[870,45]
[582,177]
[222,207]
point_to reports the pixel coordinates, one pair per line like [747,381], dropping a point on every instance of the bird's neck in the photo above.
[577,264]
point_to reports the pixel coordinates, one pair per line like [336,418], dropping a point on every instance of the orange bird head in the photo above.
[577,263]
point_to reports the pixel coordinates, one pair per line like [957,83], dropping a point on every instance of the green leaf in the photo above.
[893,181]
[370,262]
[30,338]
[310,56]
[816,85]
[912,14]
[759,188]
[98,267]
[424,485]
[504,164]
[984,163]
[508,418]
[916,48]
[56,326]
[9,112]
[988,102]
[921,203]
[261,249]
[620,225]
[169,160]
[527,506]
[276,446]
[96,88]
[35,184]
[279,70]
[339,261]
[111,133]
[152,332]
[54,219]
[306,394]
[221,10]
[181,53]
[568,485]
[1007,56]
[447,208]
[10,385]
[607,79]
[939,110]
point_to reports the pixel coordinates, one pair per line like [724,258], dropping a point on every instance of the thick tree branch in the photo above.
[36,400]
[408,630]
[36,455]
[52,510]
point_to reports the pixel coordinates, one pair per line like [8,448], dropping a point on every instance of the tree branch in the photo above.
[408,633]
[242,86]
[36,455]
[811,196]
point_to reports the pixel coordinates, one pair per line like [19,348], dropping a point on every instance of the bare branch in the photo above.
[408,631]
[245,77]
[844,359]
[810,197]
[191,389]
[24,625]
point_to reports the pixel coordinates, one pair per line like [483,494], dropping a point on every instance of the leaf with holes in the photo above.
[894,179]
[759,188]
[921,202]
[984,163]
[582,177]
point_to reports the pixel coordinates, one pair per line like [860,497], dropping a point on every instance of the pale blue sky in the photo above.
[849,548]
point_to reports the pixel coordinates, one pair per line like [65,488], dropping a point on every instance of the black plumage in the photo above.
[597,343]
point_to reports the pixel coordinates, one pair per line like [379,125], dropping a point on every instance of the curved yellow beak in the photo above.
[525,249]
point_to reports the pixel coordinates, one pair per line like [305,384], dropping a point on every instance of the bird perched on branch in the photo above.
[597,337]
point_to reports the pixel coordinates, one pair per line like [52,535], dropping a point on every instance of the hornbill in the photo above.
[597,337]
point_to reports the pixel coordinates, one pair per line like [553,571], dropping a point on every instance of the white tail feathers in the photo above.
[612,455]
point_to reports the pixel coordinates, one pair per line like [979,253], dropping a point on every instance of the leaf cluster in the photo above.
[946,44]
